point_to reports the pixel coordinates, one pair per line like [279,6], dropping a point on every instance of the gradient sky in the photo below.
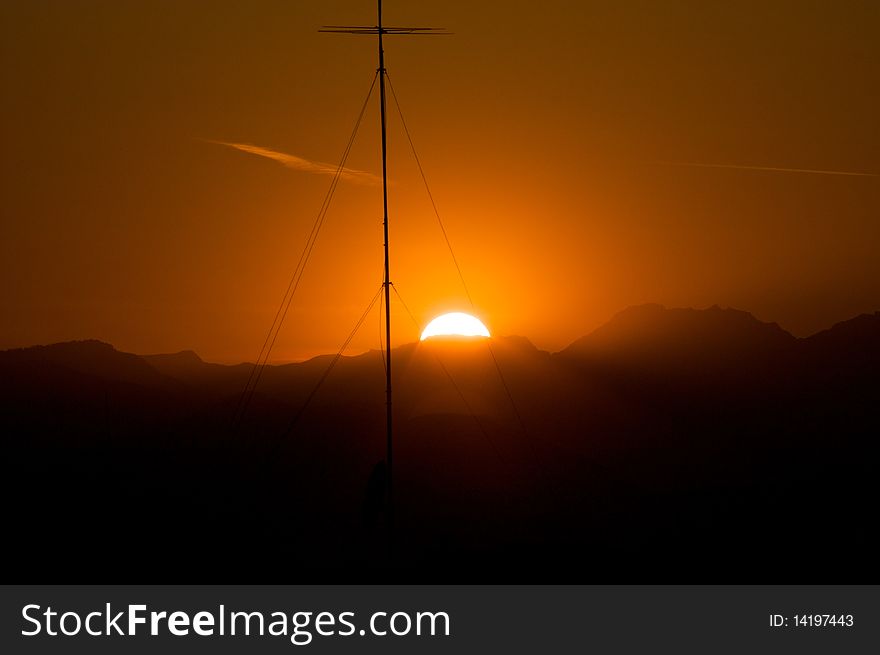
[549,133]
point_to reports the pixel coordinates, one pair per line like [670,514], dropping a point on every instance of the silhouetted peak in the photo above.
[861,326]
[80,346]
[183,365]
[652,331]
[91,357]
[855,341]
[65,350]
[188,355]
[518,342]
[714,315]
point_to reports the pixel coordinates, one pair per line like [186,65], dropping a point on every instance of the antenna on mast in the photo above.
[382,30]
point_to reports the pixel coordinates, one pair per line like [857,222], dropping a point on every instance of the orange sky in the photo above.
[542,128]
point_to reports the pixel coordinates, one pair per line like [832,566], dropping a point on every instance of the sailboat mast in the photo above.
[387,282]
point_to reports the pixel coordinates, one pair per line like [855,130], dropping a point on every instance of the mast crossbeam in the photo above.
[375,29]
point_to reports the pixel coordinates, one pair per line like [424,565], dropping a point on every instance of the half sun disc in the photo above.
[455,324]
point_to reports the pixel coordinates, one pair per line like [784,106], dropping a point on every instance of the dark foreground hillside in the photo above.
[669,445]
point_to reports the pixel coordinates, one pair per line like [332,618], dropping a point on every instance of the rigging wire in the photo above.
[257,463]
[458,390]
[253,380]
[382,335]
[428,189]
[464,285]
[293,422]
[529,437]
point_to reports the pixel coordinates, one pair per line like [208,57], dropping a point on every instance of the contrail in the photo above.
[300,164]
[769,168]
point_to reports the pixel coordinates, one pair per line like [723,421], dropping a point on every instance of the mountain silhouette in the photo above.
[702,349]
[850,347]
[89,358]
[651,333]
[667,444]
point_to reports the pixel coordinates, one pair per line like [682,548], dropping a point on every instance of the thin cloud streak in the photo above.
[769,168]
[301,164]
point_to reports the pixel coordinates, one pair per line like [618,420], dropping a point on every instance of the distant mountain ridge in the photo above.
[854,342]
[671,356]
[637,330]
[645,327]
[666,440]
[89,357]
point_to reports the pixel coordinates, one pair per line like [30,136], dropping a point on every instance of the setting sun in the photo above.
[455,324]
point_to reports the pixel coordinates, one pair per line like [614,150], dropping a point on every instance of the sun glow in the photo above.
[455,324]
